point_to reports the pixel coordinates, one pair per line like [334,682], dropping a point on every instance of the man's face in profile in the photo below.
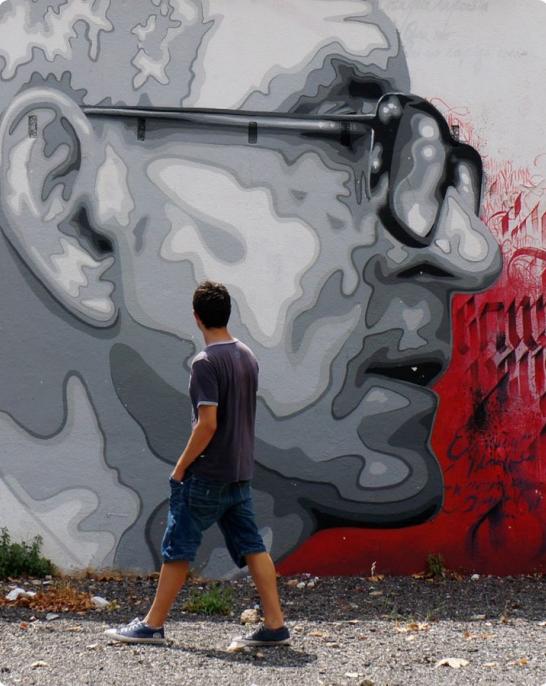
[346,308]
[340,260]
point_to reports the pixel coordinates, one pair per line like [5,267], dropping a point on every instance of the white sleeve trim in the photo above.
[206,402]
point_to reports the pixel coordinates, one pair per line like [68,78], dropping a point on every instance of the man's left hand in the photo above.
[177,475]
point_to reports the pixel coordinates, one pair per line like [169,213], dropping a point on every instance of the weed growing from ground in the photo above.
[214,601]
[22,559]
[435,566]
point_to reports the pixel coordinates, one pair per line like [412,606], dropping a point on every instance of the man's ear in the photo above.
[44,178]
[199,322]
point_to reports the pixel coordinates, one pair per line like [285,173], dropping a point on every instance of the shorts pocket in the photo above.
[204,500]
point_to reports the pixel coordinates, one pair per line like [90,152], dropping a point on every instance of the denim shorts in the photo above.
[196,504]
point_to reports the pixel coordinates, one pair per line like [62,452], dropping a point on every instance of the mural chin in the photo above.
[386,475]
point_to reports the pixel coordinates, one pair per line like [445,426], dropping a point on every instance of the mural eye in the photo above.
[424,270]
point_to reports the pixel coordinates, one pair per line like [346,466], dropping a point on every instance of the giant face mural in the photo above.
[278,150]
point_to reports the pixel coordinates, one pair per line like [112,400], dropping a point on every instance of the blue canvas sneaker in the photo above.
[266,637]
[136,632]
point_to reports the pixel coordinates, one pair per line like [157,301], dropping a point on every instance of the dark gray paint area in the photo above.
[159,408]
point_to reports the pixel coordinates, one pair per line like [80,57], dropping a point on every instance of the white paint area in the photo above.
[429,152]
[289,383]
[184,10]
[18,193]
[464,177]
[141,31]
[278,251]
[408,319]
[148,67]
[377,156]
[53,36]
[53,521]
[415,195]
[62,489]
[380,400]
[397,254]
[377,468]
[153,63]
[414,319]
[67,267]
[113,197]
[270,41]
[99,305]
[457,225]
[23,169]
[417,220]
[465,185]
[444,245]
[457,51]
[56,205]
[428,129]
[390,109]
[383,471]
[66,273]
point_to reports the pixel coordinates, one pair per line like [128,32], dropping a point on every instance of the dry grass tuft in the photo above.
[61,597]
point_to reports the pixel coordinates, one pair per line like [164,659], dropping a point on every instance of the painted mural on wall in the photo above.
[278,148]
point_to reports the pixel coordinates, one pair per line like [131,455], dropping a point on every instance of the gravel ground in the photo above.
[345,631]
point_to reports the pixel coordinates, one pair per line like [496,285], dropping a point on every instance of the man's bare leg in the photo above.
[263,572]
[172,577]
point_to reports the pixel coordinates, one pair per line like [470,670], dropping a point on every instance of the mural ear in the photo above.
[44,138]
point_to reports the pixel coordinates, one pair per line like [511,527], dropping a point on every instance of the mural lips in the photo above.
[378,358]
[418,373]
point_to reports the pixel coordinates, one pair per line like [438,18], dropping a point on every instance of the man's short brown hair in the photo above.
[212,304]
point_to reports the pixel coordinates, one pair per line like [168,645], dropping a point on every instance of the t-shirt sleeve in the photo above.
[203,383]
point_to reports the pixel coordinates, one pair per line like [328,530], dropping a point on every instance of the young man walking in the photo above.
[211,480]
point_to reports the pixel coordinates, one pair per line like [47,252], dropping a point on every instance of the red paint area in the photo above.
[489,433]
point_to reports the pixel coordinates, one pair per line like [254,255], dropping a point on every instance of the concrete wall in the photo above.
[388,274]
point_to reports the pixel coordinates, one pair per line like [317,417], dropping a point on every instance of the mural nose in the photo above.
[461,254]
[433,193]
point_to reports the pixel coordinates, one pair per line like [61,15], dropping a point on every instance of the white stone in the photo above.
[236,646]
[20,592]
[99,603]
[250,616]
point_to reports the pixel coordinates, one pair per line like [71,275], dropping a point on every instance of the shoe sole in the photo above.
[284,642]
[130,639]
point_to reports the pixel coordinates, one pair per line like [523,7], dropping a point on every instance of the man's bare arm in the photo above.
[201,436]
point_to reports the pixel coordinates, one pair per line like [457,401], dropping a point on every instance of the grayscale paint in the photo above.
[105,233]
